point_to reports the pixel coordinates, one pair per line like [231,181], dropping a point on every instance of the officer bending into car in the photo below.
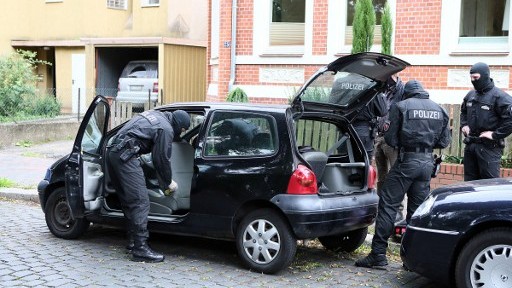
[150,131]
[417,126]
[485,120]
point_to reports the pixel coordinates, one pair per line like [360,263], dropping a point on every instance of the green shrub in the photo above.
[46,105]
[363,26]
[237,95]
[387,30]
[17,82]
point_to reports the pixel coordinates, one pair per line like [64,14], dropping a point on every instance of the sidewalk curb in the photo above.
[20,194]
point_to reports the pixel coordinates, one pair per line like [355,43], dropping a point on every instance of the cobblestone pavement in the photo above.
[30,256]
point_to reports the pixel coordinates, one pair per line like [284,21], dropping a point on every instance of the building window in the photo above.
[378,5]
[287,26]
[117,4]
[483,18]
[149,3]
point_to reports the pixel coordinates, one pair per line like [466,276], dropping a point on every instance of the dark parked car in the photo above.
[461,235]
[261,175]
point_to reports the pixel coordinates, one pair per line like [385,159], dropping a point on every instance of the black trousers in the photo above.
[130,184]
[481,161]
[367,137]
[409,175]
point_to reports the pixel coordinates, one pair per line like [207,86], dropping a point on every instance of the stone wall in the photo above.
[38,131]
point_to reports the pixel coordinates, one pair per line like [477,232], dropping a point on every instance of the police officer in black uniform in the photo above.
[485,119]
[150,131]
[385,155]
[417,126]
[366,121]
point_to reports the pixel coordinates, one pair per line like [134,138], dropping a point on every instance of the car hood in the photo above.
[347,84]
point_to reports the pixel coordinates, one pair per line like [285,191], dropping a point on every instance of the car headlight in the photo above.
[425,207]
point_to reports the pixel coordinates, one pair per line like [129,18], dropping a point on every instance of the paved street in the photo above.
[30,256]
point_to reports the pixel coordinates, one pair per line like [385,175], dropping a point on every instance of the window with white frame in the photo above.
[287,26]
[483,18]
[378,6]
[482,26]
[149,3]
[282,27]
[117,4]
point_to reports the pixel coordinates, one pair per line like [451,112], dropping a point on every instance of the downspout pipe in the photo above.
[232,74]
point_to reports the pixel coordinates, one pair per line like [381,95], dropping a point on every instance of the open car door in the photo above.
[84,173]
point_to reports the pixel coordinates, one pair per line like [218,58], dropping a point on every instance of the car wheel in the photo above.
[486,260]
[346,242]
[58,217]
[265,242]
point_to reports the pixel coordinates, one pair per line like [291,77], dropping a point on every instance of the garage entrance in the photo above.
[110,62]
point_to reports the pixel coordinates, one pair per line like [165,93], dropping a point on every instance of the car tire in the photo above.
[58,217]
[485,260]
[346,242]
[265,242]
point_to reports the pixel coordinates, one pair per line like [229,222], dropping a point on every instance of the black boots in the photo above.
[141,252]
[373,261]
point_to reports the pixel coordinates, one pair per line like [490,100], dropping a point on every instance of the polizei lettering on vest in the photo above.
[425,114]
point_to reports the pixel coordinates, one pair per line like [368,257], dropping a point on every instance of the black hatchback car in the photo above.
[461,236]
[261,175]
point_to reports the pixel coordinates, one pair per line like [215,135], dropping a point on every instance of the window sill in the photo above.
[291,55]
[479,53]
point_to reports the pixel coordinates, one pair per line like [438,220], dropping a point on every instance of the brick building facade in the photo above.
[431,35]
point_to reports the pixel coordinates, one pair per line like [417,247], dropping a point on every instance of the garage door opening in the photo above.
[110,62]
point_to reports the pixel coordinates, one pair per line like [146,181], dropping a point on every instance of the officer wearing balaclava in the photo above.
[485,120]
[417,125]
[149,132]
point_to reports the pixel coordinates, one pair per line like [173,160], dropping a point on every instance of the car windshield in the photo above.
[340,88]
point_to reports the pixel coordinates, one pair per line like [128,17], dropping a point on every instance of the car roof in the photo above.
[227,105]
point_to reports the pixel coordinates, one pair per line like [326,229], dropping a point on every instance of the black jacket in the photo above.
[393,95]
[487,110]
[417,121]
[154,131]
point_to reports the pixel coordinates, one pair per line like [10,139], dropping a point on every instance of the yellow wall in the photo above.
[79,26]
[75,19]
[185,68]
[63,76]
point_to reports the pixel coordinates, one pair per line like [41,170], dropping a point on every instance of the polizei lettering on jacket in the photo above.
[425,114]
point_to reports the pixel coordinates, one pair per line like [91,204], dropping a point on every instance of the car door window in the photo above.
[93,133]
[240,134]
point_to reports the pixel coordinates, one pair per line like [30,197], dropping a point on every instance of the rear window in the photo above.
[340,88]
[140,70]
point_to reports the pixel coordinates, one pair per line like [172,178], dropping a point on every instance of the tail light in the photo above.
[155,87]
[400,230]
[302,181]
[372,177]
